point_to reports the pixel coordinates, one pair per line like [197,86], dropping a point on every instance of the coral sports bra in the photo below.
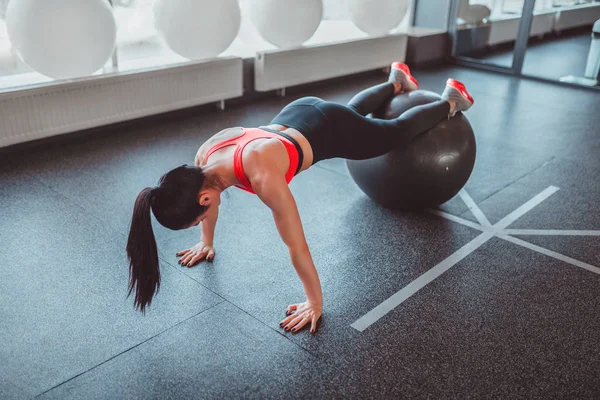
[249,134]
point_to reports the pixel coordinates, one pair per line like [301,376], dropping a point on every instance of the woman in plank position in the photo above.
[263,161]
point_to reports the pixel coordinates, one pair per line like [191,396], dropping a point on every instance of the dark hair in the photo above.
[174,203]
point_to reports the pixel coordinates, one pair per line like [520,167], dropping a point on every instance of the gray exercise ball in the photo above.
[427,172]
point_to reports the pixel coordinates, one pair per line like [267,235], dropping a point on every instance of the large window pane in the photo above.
[486,30]
[565,56]
[336,10]
[139,45]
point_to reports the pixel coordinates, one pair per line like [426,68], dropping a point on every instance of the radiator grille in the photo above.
[279,69]
[53,109]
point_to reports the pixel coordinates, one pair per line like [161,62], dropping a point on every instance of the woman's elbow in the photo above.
[299,250]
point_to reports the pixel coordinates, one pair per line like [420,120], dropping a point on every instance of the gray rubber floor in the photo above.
[506,321]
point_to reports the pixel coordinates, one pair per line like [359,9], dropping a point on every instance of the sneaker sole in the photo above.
[461,88]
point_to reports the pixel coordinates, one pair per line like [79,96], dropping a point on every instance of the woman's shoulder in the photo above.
[215,139]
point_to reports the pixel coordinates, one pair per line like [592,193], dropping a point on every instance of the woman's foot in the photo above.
[456,94]
[402,79]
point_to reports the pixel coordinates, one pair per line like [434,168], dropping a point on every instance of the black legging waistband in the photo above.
[293,141]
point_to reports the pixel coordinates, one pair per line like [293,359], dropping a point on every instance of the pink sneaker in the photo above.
[457,92]
[400,73]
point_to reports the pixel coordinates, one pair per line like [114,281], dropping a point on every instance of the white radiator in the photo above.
[278,69]
[503,30]
[56,108]
[577,16]
[542,24]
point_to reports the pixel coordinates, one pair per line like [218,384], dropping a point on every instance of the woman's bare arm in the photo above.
[275,193]
[205,248]
[209,222]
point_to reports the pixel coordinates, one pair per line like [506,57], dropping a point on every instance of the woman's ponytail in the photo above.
[144,272]
[174,204]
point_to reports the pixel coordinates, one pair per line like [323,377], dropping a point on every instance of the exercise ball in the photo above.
[427,172]
[197,29]
[62,38]
[377,17]
[286,23]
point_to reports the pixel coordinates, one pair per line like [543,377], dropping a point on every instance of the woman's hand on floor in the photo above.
[299,315]
[199,252]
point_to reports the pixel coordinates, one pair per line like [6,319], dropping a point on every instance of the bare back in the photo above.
[269,147]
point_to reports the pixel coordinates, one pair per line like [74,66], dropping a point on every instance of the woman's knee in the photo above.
[354,107]
[306,101]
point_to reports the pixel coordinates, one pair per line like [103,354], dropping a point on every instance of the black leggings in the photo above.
[334,130]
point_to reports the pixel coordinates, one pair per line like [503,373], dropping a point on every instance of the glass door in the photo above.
[564,42]
[491,34]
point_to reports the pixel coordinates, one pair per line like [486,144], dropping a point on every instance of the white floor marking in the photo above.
[489,231]
[551,253]
[550,232]
[475,210]
[457,219]
[519,212]
[398,298]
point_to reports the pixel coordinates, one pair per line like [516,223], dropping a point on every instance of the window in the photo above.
[569,3]
[515,7]
[139,45]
